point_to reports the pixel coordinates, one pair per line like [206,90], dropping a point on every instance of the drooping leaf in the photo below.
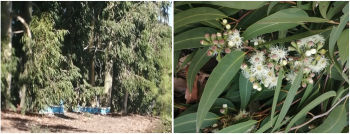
[335,122]
[288,101]
[191,38]
[196,15]
[267,125]
[218,80]
[199,60]
[248,5]
[271,5]
[188,59]
[340,93]
[337,30]
[253,16]
[228,11]
[214,109]
[187,123]
[281,20]
[212,23]
[277,92]
[176,58]
[308,107]
[245,89]
[238,128]
[337,6]
[305,95]
[343,46]
[323,6]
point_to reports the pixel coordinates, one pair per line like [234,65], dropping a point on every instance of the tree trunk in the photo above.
[6,38]
[126,95]
[27,15]
[91,58]
[108,79]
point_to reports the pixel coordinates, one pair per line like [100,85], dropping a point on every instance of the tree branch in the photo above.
[317,116]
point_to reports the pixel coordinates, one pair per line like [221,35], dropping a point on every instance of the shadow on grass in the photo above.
[61,128]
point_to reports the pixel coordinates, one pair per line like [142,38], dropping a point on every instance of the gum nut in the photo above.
[214,48]
[224,105]
[313,51]
[222,42]
[228,26]
[255,86]
[231,44]
[209,53]
[224,21]
[308,53]
[227,50]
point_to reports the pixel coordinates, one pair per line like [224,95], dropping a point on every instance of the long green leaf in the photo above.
[281,20]
[248,5]
[198,61]
[343,46]
[191,38]
[213,24]
[245,90]
[294,37]
[305,95]
[188,59]
[271,5]
[337,30]
[218,80]
[337,6]
[238,128]
[267,125]
[287,103]
[187,123]
[308,107]
[235,96]
[340,93]
[196,15]
[323,6]
[277,92]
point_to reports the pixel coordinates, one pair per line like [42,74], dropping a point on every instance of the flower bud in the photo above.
[313,51]
[255,86]
[203,42]
[215,42]
[310,80]
[312,75]
[225,35]
[259,89]
[228,26]
[308,53]
[274,56]
[319,46]
[210,52]
[231,44]
[222,42]
[317,57]
[270,64]
[310,44]
[213,37]
[304,84]
[224,105]
[244,65]
[214,125]
[219,36]
[306,70]
[293,44]
[214,48]
[291,48]
[277,67]
[256,43]
[298,43]
[322,51]
[230,32]
[224,21]
[222,111]
[227,50]
[284,62]
[207,37]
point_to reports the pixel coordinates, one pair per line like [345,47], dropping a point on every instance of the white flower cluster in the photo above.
[263,70]
[311,56]
[223,42]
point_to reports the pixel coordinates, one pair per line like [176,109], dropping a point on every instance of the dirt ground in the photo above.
[78,123]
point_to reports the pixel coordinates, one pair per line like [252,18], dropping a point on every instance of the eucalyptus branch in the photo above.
[25,25]
[318,116]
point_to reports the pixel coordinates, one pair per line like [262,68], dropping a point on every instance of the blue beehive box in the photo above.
[57,109]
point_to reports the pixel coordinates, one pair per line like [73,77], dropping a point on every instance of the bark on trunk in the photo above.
[27,15]
[6,31]
[126,95]
[108,79]
[91,59]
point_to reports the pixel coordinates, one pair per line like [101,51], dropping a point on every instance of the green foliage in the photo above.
[295,100]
